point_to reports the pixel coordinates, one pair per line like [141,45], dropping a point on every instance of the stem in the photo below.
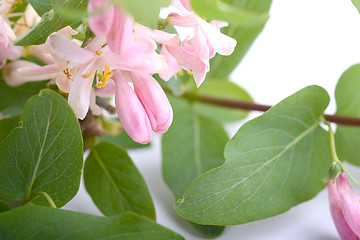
[343,120]
[106,105]
[45,195]
[334,156]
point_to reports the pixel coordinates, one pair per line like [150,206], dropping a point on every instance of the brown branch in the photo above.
[343,120]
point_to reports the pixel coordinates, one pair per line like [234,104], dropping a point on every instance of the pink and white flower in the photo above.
[7,50]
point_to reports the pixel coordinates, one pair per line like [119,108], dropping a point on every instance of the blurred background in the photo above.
[304,43]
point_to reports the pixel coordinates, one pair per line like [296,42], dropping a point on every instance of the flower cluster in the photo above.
[344,207]
[120,60]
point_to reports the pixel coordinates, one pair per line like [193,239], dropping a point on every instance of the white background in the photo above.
[304,42]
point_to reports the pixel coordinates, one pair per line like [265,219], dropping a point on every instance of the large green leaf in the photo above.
[144,12]
[222,66]
[273,163]
[122,140]
[356,4]
[218,10]
[6,125]
[44,154]
[34,222]
[17,96]
[348,104]
[114,183]
[52,21]
[192,145]
[224,90]
[41,6]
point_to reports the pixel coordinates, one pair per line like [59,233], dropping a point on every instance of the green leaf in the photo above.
[273,163]
[224,90]
[144,12]
[41,6]
[52,21]
[356,4]
[35,222]
[219,10]
[44,153]
[192,145]
[115,184]
[122,140]
[17,96]
[3,207]
[6,125]
[347,97]
[222,66]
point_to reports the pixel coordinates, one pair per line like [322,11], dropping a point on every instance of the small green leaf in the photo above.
[17,96]
[224,90]
[115,184]
[356,4]
[144,12]
[44,153]
[35,222]
[347,97]
[192,145]
[41,6]
[219,10]
[273,163]
[222,66]
[7,125]
[52,21]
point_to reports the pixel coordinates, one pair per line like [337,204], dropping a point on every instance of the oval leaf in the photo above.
[44,154]
[348,104]
[273,163]
[114,183]
[34,222]
[218,10]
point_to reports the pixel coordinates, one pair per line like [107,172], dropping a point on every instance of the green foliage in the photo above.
[115,184]
[35,222]
[41,6]
[222,66]
[122,140]
[3,207]
[44,153]
[17,96]
[192,145]
[6,125]
[356,4]
[219,10]
[347,97]
[273,163]
[224,90]
[144,12]
[52,20]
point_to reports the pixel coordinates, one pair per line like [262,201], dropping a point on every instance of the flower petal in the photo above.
[172,65]
[131,112]
[157,35]
[154,100]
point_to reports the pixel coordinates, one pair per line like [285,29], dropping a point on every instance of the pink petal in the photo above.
[341,225]
[172,65]
[13,78]
[120,32]
[79,95]
[350,204]
[107,91]
[95,109]
[131,112]
[184,7]
[100,24]
[67,50]
[182,21]
[157,35]
[63,83]
[154,100]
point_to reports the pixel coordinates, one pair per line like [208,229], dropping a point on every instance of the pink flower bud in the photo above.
[345,208]
[131,112]
[154,100]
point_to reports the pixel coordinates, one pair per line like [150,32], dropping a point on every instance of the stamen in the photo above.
[87,75]
[189,72]
[180,73]
[66,72]
[98,53]
[107,74]
[11,10]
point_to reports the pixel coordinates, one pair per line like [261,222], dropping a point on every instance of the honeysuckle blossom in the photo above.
[7,50]
[344,207]
[196,51]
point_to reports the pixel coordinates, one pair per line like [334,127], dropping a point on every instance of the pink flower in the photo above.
[345,208]
[7,50]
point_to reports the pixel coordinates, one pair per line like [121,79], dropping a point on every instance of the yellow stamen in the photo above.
[189,72]
[107,74]
[180,73]
[87,75]
[66,72]
[11,10]
[27,52]
[98,53]
[10,2]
